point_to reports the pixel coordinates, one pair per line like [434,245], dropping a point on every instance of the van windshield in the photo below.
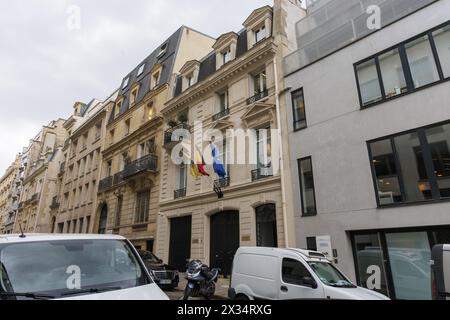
[330,276]
[66,268]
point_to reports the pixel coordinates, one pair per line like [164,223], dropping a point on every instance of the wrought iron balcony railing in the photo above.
[221,114]
[257,97]
[169,137]
[180,193]
[148,163]
[262,173]
[105,184]
[222,183]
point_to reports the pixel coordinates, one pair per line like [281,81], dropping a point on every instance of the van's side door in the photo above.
[297,282]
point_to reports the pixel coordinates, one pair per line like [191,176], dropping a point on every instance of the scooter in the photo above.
[201,280]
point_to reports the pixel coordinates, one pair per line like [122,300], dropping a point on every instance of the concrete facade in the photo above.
[337,133]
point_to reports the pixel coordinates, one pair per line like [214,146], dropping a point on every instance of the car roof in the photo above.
[31,237]
[305,254]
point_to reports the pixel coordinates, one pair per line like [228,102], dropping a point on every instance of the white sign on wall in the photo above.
[324,246]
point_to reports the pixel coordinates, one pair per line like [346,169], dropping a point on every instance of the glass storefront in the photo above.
[397,262]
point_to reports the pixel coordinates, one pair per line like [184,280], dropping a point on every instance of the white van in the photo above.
[440,272]
[290,274]
[73,267]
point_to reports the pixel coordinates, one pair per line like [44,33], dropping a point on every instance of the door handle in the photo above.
[284,289]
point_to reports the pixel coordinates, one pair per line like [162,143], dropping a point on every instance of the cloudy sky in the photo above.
[47,63]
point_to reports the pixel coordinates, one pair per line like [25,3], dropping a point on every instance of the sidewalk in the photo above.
[221,289]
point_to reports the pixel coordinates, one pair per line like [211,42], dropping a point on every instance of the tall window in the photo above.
[408,66]
[142,206]
[260,82]
[182,177]
[412,167]
[307,190]
[127,126]
[299,113]
[264,148]
[223,101]
[109,169]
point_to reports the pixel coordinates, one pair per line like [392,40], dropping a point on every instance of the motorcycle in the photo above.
[201,281]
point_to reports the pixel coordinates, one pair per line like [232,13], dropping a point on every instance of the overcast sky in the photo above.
[47,64]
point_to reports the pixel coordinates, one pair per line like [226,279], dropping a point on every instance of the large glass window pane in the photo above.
[392,72]
[415,179]
[369,256]
[387,175]
[421,62]
[438,140]
[442,41]
[410,255]
[307,187]
[369,84]
[298,104]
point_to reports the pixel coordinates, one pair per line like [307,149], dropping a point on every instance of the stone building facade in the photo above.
[129,188]
[73,208]
[234,87]
[43,157]
[9,196]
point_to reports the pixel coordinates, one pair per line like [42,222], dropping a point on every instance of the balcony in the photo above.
[34,198]
[222,183]
[148,163]
[258,97]
[55,203]
[221,114]
[180,193]
[170,139]
[105,184]
[118,178]
[262,173]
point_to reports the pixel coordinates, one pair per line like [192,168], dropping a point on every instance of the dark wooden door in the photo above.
[180,242]
[224,236]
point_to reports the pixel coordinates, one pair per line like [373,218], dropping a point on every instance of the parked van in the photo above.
[440,272]
[291,274]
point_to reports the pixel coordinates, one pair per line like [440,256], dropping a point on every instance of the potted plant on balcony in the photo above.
[172,123]
[183,118]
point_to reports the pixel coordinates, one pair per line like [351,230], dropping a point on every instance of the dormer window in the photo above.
[189,80]
[141,70]
[133,96]
[162,50]
[260,34]
[155,79]
[117,110]
[125,82]
[226,55]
